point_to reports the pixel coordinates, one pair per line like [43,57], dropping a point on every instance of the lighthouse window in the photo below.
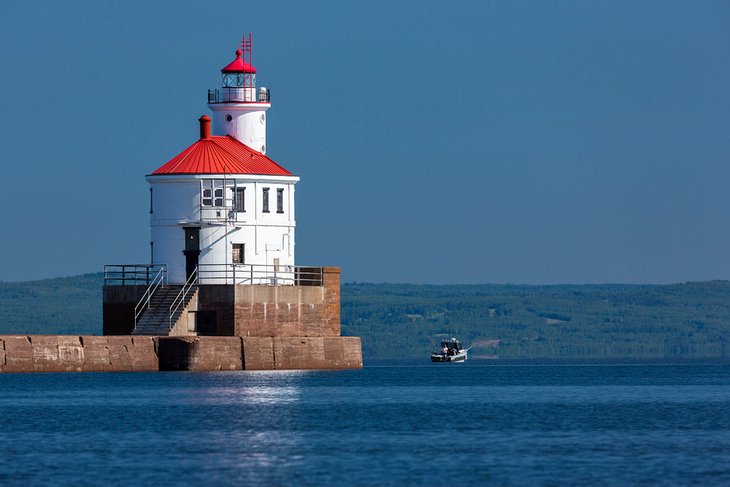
[228,118]
[212,192]
[266,200]
[280,200]
[240,201]
[238,254]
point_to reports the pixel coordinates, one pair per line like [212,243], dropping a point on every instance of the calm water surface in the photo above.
[388,425]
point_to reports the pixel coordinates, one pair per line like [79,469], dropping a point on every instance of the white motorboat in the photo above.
[451,351]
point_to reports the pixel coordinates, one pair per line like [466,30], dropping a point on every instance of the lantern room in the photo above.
[239,110]
[239,79]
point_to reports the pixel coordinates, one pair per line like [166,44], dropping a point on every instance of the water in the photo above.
[392,425]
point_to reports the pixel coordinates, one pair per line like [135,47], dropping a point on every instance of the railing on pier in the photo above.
[260,274]
[241,274]
[133,274]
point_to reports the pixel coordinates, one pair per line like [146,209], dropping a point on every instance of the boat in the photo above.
[451,351]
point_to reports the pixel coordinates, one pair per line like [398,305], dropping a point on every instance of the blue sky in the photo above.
[437,142]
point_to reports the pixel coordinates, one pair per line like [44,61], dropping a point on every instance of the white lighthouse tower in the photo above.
[239,110]
[222,209]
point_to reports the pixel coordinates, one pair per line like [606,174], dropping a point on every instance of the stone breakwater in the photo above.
[70,353]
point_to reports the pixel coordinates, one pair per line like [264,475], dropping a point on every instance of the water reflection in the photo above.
[252,395]
[246,421]
[245,388]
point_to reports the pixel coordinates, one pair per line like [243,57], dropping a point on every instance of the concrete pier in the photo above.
[71,353]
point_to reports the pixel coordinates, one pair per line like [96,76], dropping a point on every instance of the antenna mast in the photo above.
[247,56]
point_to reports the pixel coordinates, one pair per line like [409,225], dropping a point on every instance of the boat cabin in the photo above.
[451,346]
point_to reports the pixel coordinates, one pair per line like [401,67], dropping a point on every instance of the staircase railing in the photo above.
[144,302]
[181,296]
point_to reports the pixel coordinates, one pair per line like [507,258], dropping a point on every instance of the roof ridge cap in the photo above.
[249,148]
[238,142]
[254,152]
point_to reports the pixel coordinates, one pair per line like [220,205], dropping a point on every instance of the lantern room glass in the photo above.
[239,80]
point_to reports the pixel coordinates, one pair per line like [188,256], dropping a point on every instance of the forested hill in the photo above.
[54,306]
[570,322]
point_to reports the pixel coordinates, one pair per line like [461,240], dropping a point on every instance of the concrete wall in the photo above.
[259,353]
[217,299]
[267,353]
[118,308]
[289,311]
[68,353]
[186,321]
[200,353]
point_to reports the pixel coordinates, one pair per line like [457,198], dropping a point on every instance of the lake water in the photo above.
[471,424]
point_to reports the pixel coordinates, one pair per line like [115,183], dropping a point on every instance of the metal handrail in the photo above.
[130,274]
[144,302]
[260,274]
[180,298]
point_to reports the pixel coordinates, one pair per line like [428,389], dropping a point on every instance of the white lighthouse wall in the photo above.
[268,238]
[247,124]
[173,201]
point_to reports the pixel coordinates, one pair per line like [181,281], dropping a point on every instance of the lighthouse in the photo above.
[222,203]
[222,290]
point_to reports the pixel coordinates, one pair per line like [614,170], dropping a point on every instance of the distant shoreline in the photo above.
[555,362]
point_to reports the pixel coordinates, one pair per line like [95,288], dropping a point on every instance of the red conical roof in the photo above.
[221,155]
[238,65]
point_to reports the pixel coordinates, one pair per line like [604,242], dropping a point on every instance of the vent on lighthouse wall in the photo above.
[264,95]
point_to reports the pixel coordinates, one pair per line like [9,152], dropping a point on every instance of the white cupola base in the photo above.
[244,121]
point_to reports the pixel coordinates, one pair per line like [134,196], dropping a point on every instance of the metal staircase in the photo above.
[162,305]
[162,313]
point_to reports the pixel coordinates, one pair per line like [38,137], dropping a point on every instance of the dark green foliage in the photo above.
[65,305]
[590,322]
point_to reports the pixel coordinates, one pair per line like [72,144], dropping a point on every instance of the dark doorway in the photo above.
[192,249]
[207,322]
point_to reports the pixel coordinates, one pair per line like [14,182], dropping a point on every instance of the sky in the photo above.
[535,142]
